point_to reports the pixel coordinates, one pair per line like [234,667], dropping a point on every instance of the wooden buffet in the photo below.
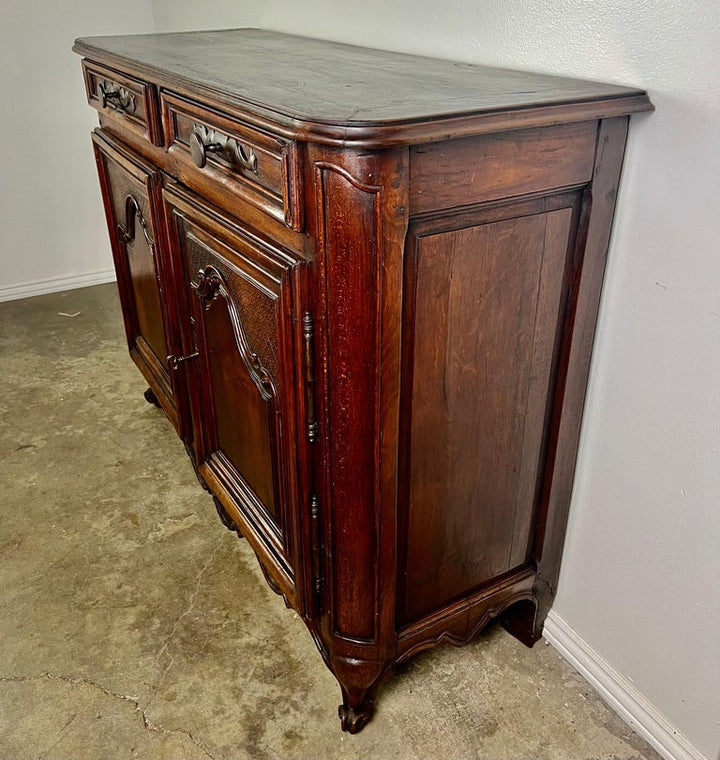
[363,287]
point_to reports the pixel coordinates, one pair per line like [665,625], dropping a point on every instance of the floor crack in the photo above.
[191,601]
[147,723]
[190,606]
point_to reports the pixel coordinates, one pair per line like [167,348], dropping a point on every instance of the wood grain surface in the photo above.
[486,308]
[314,80]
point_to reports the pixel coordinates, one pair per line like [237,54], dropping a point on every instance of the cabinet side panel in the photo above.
[352,268]
[553,278]
[486,303]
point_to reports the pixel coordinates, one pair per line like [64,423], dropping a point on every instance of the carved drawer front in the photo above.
[126,99]
[213,149]
[241,340]
[130,188]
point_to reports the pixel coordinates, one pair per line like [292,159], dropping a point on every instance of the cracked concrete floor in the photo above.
[132,624]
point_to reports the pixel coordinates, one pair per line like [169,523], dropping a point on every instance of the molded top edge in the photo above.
[299,82]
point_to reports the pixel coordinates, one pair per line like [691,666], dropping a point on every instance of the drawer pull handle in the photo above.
[199,150]
[118,98]
[203,141]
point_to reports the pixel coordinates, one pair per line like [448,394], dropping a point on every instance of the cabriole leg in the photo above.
[359,682]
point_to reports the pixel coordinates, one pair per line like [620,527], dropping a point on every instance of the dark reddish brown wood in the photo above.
[351,269]
[332,93]
[135,104]
[209,189]
[376,347]
[360,222]
[489,167]
[130,191]
[243,385]
[272,181]
[484,303]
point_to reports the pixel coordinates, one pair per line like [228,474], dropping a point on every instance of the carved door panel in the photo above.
[131,191]
[240,358]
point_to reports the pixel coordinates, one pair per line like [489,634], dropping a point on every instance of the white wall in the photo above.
[641,575]
[174,15]
[51,220]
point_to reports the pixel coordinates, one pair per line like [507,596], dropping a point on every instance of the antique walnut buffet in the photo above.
[363,287]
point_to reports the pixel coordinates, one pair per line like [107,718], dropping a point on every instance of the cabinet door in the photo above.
[239,293]
[130,188]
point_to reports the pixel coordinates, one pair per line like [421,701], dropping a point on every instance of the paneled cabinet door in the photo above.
[131,194]
[241,356]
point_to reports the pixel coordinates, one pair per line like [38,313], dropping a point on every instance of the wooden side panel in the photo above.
[489,167]
[352,266]
[485,306]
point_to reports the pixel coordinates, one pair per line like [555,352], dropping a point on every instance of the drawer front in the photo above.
[125,99]
[256,166]
[131,194]
[239,296]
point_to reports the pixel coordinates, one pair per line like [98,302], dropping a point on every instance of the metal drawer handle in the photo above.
[204,140]
[118,98]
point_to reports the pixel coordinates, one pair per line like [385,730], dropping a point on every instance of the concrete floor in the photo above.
[132,624]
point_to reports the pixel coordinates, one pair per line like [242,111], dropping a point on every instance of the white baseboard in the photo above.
[55,284]
[632,706]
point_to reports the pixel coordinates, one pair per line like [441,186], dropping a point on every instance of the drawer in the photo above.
[126,99]
[214,149]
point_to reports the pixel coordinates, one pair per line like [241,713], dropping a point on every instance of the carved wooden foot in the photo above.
[359,682]
[354,719]
[151,398]
[521,621]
